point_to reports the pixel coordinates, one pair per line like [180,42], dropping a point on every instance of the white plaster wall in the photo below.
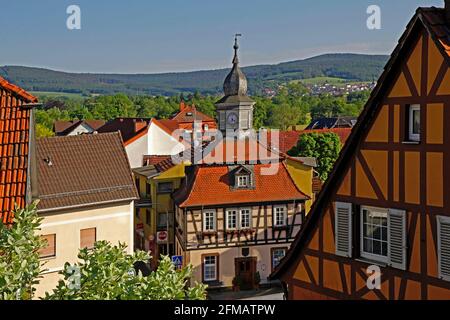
[113,223]
[161,143]
[137,150]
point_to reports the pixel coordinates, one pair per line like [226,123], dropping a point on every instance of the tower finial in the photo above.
[236,47]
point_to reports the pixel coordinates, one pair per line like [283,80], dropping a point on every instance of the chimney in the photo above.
[139,125]
[447,12]
[182,106]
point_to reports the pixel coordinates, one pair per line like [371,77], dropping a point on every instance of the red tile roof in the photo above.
[169,126]
[14,144]
[289,139]
[75,171]
[152,160]
[17,91]
[230,150]
[188,114]
[210,185]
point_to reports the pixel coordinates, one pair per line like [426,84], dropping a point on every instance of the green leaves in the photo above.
[103,273]
[325,147]
[19,257]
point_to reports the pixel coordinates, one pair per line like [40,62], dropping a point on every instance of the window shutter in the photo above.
[343,232]
[444,247]
[397,239]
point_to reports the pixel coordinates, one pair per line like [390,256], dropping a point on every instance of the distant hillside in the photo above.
[352,67]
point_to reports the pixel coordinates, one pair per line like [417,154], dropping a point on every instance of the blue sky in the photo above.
[150,36]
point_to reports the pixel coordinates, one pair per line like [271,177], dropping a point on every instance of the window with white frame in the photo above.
[232,219]
[243,181]
[374,231]
[280,216]
[277,255]
[414,122]
[245,218]
[210,268]
[209,221]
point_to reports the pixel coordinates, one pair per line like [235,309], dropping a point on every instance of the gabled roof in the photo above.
[169,126]
[14,148]
[189,114]
[433,20]
[130,128]
[331,123]
[230,150]
[83,170]
[212,185]
[17,91]
[65,127]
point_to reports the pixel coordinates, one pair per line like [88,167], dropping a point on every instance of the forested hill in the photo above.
[354,67]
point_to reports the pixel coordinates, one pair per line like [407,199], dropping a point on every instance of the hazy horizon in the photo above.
[153,37]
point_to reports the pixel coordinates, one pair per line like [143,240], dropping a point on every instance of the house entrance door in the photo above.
[245,269]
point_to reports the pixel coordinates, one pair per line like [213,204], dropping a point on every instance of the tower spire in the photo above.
[236,48]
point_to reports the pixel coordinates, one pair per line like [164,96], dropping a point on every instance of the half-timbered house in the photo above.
[240,207]
[387,203]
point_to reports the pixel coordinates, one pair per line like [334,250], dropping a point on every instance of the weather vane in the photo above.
[236,46]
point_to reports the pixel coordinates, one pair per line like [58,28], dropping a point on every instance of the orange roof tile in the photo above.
[23,95]
[14,144]
[168,126]
[210,186]
[188,114]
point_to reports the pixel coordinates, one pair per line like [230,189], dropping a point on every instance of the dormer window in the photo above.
[243,181]
[242,177]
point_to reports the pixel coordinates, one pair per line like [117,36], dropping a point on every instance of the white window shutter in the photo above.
[443,226]
[343,232]
[397,239]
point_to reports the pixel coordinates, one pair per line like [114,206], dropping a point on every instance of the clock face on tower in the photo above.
[232,118]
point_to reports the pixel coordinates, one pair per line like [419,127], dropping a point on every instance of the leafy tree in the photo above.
[107,273]
[325,147]
[285,116]
[19,258]
[43,132]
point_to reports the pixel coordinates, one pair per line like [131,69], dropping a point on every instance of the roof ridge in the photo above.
[84,192]
[17,90]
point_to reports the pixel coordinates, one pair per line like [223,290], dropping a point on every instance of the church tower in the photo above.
[235,109]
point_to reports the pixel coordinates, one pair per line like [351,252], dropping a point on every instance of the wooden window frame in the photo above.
[366,255]
[54,246]
[227,219]
[205,212]
[250,218]
[413,137]
[275,213]
[240,185]
[217,256]
[95,239]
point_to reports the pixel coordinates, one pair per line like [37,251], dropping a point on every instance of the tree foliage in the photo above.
[19,258]
[290,107]
[325,147]
[107,273]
